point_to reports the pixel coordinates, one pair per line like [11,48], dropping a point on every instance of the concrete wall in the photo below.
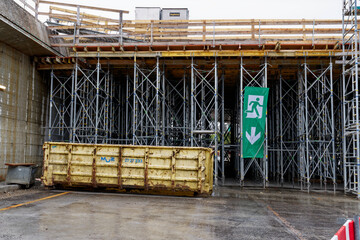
[23,109]
[24,19]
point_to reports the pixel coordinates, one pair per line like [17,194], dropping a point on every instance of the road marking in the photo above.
[37,200]
[287,224]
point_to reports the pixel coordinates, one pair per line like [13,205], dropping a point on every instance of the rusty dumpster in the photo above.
[129,168]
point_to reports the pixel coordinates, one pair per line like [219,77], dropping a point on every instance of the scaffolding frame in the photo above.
[350,97]
[91,95]
[80,104]
[287,144]
[148,117]
[317,125]
[255,78]
[205,108]
[153,108]
[303,143]
[176,111]
[60,110]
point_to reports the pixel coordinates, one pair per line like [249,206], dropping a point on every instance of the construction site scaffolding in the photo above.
[350,97]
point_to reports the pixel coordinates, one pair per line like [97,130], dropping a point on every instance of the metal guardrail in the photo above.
[196,31]
[210,31]
[75,27]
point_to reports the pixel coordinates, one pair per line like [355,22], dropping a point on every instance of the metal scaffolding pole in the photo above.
[242,172]
[265,159]
[51,104]
[222,123]
[281,132]
[163,128]
[97,100]
[157,114]
[216,121]
[192,115]
[333,138]
[74,101]
[307,160]
[127,119]
[129,109]
[184,111]
[301,130]
[134,123]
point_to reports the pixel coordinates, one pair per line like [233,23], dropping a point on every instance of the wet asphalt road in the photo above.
[231,213]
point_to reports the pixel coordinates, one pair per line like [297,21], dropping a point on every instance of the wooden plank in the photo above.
[200,23]
[203,31]
[182,54]
[98,26]
[187,42]
[82,14]
[234,31]
[246,21]
[237,32]
[222,30]
[202,61]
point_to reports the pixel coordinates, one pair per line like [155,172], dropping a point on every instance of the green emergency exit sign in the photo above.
[254,121]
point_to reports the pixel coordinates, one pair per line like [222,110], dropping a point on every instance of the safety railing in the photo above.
[254,31]
[72,26]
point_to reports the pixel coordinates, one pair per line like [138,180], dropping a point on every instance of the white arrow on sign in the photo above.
[253,138]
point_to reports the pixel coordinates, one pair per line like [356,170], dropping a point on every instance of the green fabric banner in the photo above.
[254,120]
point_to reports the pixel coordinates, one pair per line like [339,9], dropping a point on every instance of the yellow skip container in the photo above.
[145,169]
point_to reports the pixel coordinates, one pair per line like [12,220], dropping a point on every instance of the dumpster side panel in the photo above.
[105,166]
[79,166]
[133,167]
[128,167]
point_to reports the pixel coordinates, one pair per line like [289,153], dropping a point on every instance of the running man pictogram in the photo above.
[255,106]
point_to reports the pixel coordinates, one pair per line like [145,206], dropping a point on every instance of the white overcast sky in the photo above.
[231,9]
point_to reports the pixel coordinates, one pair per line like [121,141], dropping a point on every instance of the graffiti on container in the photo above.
[108,160]
[133,160]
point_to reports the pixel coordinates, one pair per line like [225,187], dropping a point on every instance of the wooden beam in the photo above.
[175,63]
[84,15]
[211,53]
[68,66]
